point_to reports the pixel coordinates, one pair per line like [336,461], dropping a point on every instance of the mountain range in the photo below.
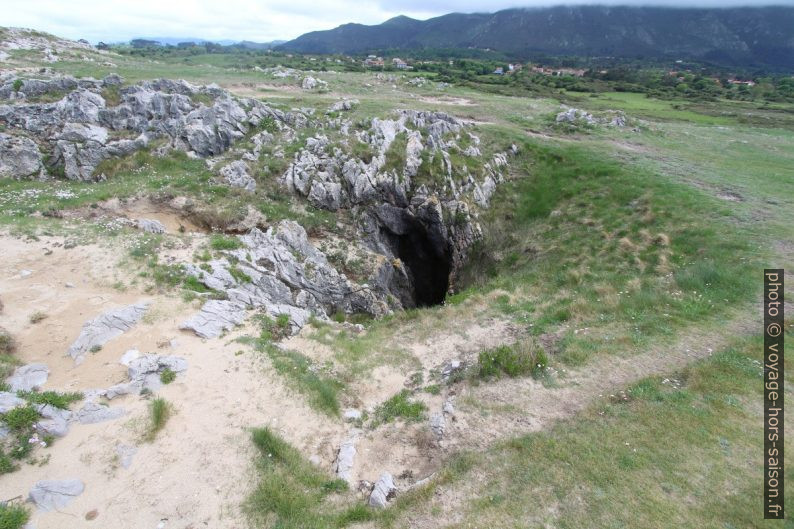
[745,36]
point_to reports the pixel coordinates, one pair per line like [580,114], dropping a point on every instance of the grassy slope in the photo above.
[683,451]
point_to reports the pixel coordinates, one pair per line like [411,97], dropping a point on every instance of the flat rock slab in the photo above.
[346,456]
[93,412]
[105,327]
[125,453]
[9,401]
[29,377]
[49,495]
[215,317]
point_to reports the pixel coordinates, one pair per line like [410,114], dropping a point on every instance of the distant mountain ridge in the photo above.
[174,41]
[748,36]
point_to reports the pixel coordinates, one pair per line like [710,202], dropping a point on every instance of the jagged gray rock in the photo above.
[50,495]
[28,377]
[55,421]
[236,175]
[438,424]
[384,491]
[19,157]
[285,275]
[105,327]
[215,317]
[145,370]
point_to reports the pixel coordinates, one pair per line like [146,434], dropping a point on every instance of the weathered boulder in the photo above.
[384,491]
[50,495]
[105,327]
[438,424]
[19,157]
[343,105]
[145,370]
[55,421]
[28,377]
[310,83]
[343,466]
[150,226]
[215,317]
[236,175]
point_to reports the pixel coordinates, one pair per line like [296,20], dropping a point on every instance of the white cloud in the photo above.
[119,20]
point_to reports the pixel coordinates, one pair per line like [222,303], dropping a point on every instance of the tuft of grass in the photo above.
[8,346]
[167,375]
[159,413]
[37,317]
[519,359]
[294,494]
[239,275]
[13,516]
[223,242]
[400,406]
[53,398]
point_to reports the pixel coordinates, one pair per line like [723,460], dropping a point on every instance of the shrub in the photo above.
[167,375]
[13,516]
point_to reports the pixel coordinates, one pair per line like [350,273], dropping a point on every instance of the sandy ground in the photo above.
[198,470]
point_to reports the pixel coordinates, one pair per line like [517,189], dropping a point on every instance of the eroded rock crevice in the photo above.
[427,262]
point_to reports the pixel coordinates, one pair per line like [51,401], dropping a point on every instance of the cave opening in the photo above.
[428,261]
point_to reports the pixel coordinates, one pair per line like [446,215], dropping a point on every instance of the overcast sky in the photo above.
[263,20]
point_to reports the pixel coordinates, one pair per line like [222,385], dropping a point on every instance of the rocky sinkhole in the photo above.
[427,260]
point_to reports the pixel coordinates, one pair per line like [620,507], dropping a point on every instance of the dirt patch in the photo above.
[448,100]
[172,214]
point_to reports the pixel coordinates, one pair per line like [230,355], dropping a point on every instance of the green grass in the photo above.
[399,406]
[515,360]
[224,242]
[321,389]
[159,413]
[680,454]
[53,398]
[167,375]
[294,494]
[579,240]
[13,516]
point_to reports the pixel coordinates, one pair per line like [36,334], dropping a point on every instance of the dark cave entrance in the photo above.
[428,261]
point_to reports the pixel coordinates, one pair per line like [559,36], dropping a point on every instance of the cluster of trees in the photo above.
[477,67]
